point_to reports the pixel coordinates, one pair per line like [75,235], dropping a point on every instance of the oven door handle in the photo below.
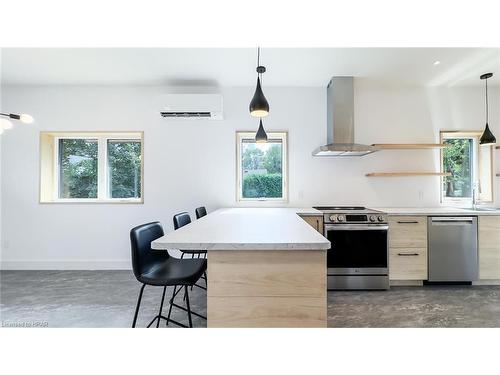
[356,227]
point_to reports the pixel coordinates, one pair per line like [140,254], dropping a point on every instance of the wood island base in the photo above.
[267,288]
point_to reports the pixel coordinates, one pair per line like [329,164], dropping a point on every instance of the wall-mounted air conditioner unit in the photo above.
[192,106]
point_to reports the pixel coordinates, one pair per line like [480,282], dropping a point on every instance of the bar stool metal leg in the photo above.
[161,307]
[188,307]
[138,305]
[176,291]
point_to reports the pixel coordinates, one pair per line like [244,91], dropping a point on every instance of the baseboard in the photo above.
[486,282]
[406,282]
[66,265]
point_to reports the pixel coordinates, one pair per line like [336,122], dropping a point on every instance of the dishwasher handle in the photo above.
[452,220]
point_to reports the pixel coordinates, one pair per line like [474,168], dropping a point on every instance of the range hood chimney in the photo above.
[340,121]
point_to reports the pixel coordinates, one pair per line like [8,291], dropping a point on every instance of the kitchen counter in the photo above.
[266,266]
[247,229]
[427,211]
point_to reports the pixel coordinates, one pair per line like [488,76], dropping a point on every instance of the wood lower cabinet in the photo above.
[489,247]
[408,263]
[314,221]
[407,247]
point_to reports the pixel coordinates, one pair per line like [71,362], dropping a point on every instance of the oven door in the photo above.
[357,249]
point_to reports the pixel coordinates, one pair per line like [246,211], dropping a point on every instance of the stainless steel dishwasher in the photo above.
[452,245]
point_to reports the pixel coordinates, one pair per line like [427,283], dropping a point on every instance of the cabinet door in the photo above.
[408,264]
[489,247]
[408,231]
[315,221]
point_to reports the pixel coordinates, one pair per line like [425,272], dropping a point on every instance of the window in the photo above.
[77,168]
[470,166]
[261,167]
[124,168]
[91,167]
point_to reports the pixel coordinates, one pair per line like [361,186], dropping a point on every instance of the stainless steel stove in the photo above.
[358,257]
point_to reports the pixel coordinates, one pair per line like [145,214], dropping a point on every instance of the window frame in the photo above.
[102,138]
[477,159]
[246,135]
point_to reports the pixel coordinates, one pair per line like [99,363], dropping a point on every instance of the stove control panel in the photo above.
[369,218]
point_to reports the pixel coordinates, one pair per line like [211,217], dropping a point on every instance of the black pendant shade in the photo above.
[261,136]
[259,107]
[487,138]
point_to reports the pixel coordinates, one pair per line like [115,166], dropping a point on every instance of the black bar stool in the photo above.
[200,212]
[181,220]
[158,268]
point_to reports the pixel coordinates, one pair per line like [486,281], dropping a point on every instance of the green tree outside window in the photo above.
[262,170]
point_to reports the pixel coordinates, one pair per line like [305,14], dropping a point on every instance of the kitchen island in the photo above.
[266,266]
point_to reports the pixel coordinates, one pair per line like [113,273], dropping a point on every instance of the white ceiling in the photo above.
[236,66]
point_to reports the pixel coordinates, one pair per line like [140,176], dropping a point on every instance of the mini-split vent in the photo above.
[186,114]
[191,107]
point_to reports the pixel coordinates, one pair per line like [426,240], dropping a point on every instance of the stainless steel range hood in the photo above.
[340,121]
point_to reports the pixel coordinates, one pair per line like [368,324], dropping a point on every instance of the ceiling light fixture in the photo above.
[437,62]
[261,136]
[27,119]
[487,138]
[259,107]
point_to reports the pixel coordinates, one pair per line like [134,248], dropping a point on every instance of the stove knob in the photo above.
[340,218]
[380,218]
[333,217]
[372,218]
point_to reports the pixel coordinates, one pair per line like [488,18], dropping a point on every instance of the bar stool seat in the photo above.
[175,272]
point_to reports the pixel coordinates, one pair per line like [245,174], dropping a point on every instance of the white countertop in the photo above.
[433,211]
[247,229]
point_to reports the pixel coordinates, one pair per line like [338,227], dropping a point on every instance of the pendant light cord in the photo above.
[487,107]
[258,64]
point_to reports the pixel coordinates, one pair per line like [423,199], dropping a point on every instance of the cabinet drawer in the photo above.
[408,264]
[408,231]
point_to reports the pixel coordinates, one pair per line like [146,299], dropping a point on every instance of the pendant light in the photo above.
[261,136]
[487,138]
[259,107]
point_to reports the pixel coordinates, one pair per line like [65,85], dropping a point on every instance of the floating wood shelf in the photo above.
[408,146]
[406,174]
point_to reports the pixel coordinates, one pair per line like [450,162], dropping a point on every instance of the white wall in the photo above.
[192,163]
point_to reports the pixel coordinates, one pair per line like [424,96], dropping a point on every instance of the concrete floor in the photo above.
[108,298]
[85,299]
[417,307]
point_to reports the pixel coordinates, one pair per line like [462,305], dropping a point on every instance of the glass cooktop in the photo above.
[339,208]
